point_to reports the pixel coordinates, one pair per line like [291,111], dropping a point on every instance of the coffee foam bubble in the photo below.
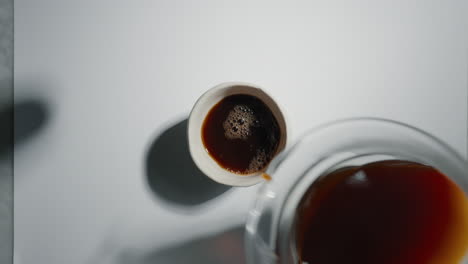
[238,125]
[258,162]
[239,122]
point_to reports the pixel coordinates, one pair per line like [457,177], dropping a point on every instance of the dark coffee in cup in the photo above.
[388,212]
[241,134]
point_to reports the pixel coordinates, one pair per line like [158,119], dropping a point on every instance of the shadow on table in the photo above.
[222,248]
[29,117]
[173,176]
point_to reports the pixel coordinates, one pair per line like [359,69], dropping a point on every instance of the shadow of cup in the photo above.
[173,176]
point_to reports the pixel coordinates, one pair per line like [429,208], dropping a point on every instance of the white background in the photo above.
[116,74]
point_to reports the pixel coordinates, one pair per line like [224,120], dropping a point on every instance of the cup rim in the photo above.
[203,105]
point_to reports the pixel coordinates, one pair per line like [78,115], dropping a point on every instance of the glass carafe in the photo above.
[353,142]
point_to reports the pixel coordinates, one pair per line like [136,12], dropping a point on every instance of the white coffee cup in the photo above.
[204,104]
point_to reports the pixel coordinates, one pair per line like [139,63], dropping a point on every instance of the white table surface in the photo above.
[110,76]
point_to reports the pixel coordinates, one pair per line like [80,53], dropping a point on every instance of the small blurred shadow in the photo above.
[222,248]
[171,173]
[29,117]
